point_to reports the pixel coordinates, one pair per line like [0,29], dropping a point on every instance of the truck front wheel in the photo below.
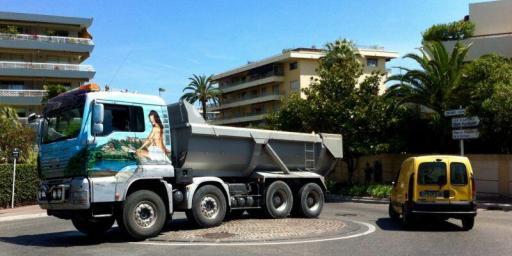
[208,207]
[92,227]
[278,200]
[143,214]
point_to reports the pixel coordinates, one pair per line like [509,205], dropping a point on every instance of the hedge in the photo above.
[27,182]
[373,190]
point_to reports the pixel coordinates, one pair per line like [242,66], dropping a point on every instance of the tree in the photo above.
[14,135]
[434,85]
[337,103]
[486,89]
[201,89]
[53,90]
[457,30]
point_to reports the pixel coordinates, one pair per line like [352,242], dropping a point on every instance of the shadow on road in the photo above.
[75,238]
[425,225]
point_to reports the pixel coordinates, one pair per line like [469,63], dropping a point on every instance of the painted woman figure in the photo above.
[153,148]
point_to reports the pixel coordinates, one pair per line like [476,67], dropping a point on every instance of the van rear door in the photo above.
[432,182]
[459,180]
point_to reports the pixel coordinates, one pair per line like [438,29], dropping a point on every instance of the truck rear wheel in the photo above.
[92,227]
[468,222]
[143,214]
[278,200]
[208,206]
[311,200]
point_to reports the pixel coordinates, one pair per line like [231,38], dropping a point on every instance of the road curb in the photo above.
[494,206]
[332,198]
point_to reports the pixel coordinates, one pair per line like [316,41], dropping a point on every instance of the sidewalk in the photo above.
[22,212]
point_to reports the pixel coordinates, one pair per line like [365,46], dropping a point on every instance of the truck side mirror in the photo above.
[97,118]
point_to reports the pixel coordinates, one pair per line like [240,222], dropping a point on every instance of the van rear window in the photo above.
[432,173]
[458,174]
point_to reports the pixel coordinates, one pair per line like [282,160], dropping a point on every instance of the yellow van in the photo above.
[437,185]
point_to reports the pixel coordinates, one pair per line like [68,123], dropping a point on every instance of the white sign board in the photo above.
[471,121]
[464,134]
[455,112]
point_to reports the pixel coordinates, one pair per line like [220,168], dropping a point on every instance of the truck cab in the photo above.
[439,185]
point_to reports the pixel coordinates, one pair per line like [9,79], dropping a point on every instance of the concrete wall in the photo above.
[493,173]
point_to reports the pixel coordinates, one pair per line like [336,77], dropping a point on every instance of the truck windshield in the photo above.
[63,123]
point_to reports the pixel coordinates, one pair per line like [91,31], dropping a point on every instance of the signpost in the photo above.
[460,125]
[15,155]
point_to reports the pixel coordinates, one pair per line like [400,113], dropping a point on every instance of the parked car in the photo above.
[438,185]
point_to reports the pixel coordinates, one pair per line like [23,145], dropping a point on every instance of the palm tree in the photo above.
[201,88]
[434,85]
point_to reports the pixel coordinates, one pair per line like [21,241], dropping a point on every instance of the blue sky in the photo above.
[156,44]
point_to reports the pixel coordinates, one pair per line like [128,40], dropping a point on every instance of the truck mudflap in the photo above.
[64,194]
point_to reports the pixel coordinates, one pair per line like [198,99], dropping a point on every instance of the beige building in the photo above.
[254,90]
[38,50]
[493,29]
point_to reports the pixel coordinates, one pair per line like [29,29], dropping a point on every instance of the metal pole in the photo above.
[13,182]
[461,147]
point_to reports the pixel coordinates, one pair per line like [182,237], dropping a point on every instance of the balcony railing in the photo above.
[247,97]
[247,79]
[22,93]
[45,66]
[49,39]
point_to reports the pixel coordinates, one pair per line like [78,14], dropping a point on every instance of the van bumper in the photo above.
[445,209]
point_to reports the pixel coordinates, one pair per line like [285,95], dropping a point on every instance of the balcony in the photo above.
[33,69]
[21,97]
[251,81]
[247,100]
[50,43]
[239,118]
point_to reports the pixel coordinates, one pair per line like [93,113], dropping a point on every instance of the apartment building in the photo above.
[254,90]
[493,29]
[38,50]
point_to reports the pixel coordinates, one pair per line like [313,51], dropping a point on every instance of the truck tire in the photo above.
[407,218]
[92,227]
[208,206]
[311,201]
[278,200]
[143,214]
[468,222]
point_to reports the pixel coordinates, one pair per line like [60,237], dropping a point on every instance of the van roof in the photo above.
[443,157]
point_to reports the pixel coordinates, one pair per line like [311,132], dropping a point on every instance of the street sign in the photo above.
[459,122]
[455,112]
[464,134]
[16,153]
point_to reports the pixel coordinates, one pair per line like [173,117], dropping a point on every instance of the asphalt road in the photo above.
[492,235]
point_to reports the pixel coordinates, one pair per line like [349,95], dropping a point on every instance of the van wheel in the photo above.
[468,222]
[143,214]
[278,200]
[407,218]
[92,227]
[311,201]
[392,213]
[208,206]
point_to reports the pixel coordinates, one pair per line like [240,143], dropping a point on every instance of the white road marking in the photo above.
[23,217]
[371,229]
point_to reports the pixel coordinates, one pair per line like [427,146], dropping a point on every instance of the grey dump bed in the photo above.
[225,151]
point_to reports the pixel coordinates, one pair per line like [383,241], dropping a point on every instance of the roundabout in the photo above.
[243,232]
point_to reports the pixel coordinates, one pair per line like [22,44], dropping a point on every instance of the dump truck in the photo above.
[130,158]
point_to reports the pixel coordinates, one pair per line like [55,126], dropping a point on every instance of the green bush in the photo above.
[374,190]
[27,182]
[457,30]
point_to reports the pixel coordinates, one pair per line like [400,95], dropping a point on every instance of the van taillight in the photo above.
[473,187]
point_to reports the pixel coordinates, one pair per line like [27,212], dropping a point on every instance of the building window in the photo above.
[295,85]
[293,65]
[371,62]
[119,118]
